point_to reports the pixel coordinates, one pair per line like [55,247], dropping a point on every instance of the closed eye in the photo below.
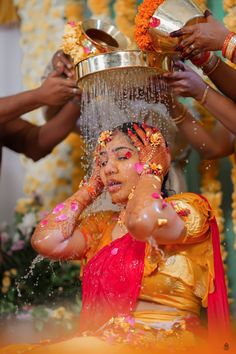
[122,158]
[103,163]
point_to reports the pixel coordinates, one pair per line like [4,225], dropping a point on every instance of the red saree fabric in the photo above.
[111,282]
[218,308]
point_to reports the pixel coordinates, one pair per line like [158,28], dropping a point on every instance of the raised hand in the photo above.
[95,185]
[185,82]
[56,91]
[62,62]
[153,152]
[201,37]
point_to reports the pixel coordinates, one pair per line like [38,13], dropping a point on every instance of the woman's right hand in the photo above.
[95,185]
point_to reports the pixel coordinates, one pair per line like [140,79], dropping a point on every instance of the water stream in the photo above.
[113,97]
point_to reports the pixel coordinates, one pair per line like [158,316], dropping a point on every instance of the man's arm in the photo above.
[38,141]
[54,91]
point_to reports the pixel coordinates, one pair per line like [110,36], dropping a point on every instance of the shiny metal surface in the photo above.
[170,16]
[104,36]
[124,59]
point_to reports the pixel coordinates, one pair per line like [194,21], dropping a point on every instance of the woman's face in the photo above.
[118,173]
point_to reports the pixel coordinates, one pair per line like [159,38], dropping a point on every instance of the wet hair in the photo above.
[124,128]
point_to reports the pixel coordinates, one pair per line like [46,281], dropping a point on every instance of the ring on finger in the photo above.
[195,52]
[74,90]
[192,47]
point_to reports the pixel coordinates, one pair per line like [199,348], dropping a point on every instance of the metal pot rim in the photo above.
[110,30]
[120,59]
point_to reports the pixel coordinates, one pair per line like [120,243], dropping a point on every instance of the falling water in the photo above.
[30,272]
[113,97]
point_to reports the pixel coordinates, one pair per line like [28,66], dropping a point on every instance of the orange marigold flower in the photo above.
[142,20]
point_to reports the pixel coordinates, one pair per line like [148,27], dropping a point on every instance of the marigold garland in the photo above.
[125,11]
[75,43]
[8,13]
[142,20]
[50,178]
[211,187]
[228,4]
[99,7]
[74,10]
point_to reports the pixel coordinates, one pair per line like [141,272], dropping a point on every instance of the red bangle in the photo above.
[202,59]
[226,42]
[233,54]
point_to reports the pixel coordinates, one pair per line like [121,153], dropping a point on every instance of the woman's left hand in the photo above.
[201,37]
[152,148]
[186,82]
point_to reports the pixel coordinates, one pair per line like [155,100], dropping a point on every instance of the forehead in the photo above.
[119,139]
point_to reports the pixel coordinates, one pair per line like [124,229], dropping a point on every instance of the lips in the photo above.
[113,186]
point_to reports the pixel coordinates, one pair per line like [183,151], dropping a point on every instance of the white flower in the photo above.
[16,237]
[28,223]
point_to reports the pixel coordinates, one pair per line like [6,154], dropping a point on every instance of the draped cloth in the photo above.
[111,282]
[218,308]
[113,277]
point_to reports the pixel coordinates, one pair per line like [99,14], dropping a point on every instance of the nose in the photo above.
[111,167]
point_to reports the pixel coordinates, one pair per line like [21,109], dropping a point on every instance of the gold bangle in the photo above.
[181,117]
[203,100]
[212,69]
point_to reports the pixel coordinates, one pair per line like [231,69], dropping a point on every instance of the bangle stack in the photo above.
[201,59]
[229,47]
[211,65]
[181,117]
[203,100]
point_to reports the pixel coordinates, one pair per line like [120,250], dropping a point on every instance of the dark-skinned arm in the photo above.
[53,91]
[206,142]
[38,141]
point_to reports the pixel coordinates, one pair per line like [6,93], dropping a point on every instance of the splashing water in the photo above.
[113,97]
[156,252]
[30,272]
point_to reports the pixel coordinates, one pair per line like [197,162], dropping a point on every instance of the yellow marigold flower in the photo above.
[13,272]
[6,282]
[4,290]
[156,139]
[104,137]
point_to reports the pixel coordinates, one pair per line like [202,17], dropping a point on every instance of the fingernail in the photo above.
[178,48]
[175,33]
[129,132]
[207,13]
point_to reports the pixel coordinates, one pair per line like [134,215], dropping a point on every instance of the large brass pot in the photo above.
[119,60]
[170,16]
